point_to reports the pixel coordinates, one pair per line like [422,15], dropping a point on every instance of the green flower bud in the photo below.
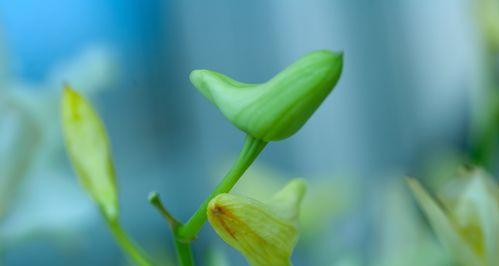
[88,148]
[467,221]
[276,109]
[265,233]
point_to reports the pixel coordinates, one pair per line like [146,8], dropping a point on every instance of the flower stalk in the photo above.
[135,253]
[251,149]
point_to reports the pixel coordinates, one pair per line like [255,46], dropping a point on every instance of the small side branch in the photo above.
[183,248]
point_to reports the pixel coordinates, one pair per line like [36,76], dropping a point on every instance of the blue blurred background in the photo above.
[411,70]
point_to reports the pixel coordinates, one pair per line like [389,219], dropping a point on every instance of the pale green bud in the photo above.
[276,109]
[265,233]
[467,222]
[88,148]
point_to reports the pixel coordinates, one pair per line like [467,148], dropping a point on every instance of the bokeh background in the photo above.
[405,103]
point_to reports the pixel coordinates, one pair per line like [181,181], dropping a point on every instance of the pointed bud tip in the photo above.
[67,91]
[197,75]
[340,56]
[328,54]
[298,182]
[334,54]
[71,98]
[153,197]
[66,87]
[410,180]
[298,186]
[198,79]
[414,185]
[336,62]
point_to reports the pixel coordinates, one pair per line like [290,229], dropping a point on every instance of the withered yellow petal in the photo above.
[265,234]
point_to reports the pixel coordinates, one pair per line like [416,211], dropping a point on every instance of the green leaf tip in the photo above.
[265,233]
[88,148]
[278,108]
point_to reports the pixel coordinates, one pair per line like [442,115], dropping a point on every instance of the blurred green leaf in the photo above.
[487,13]
[468,223]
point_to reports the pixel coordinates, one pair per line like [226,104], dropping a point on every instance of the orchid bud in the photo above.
[276,109]
[467,220]
[88,148]
[265,233]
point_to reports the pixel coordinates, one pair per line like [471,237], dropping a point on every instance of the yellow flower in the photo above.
[467,221]
[265,233]
[88,148]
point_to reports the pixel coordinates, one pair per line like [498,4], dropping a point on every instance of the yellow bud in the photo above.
[87,145]
[265,233]
[467,221]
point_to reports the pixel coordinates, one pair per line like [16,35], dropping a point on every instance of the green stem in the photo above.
[486,123]
[127,245]
[251,150]
[184,253]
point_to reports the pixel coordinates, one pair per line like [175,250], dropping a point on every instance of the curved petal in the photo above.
[264,233]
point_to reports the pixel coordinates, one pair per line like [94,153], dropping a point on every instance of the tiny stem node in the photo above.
[183,248]
[155,201]
[184,233]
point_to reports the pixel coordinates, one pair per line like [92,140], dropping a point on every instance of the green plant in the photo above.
[266,112]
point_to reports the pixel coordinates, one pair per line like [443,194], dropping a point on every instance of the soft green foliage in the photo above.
[402,229]
[88,148]
[488,19]
[276,109]
[19,143]
[265,233]
[468,221]
[31,147]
